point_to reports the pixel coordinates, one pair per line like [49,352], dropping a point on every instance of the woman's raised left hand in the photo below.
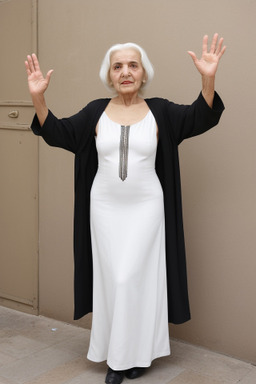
[207,65]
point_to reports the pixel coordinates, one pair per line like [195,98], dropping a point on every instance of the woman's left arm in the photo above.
[207,65]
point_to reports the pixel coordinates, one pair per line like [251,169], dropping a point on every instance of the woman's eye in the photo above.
[117,67]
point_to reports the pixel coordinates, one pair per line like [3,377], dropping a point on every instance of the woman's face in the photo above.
[126,72]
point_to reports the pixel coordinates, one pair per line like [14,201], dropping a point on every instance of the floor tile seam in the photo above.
[8,355]
[245,376]
[52,348]
[73,355]
[197,370]
[53,370]
[44,344]
[35,376]
[210,351]
[176,376]
[67,340]
[15,360]
[52,329]
[7,380]
[203,375]
[24,357]
[61,322]
[209,376]
[190,359]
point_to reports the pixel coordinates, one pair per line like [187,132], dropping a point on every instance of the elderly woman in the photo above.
[129,249]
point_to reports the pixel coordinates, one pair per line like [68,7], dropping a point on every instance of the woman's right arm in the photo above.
[71,133]
[37,84]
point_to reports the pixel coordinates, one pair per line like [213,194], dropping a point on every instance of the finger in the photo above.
[214,42]
[27,68]
[222,51]
[48,75]
[30,64]
[35,62]
[205,44]
[218,49]
[193,55]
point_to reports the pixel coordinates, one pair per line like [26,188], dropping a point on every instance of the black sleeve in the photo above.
[66,133]
[191,120]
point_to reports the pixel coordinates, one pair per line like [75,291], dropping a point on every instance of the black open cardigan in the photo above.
[77,134]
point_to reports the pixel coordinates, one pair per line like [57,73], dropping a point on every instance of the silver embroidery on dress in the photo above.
[123,152]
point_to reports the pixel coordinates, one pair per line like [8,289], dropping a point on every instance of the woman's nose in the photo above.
[125,70]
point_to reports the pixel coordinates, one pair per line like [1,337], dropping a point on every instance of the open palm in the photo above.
[37,83]
[207,65]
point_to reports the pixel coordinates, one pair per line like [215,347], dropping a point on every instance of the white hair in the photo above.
[105,66]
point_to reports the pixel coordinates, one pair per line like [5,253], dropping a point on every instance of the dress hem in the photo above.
[141,364]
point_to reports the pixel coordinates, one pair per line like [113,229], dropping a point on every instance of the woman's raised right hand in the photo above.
[37,83]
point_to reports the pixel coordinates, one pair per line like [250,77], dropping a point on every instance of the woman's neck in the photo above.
[127,100]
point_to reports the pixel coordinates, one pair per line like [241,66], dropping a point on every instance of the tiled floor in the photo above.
[38,350]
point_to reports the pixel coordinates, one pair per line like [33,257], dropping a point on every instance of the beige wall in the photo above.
[218,168]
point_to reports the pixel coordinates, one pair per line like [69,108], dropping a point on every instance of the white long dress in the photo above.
[130,322]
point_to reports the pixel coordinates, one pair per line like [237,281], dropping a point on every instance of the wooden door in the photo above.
[18,160]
